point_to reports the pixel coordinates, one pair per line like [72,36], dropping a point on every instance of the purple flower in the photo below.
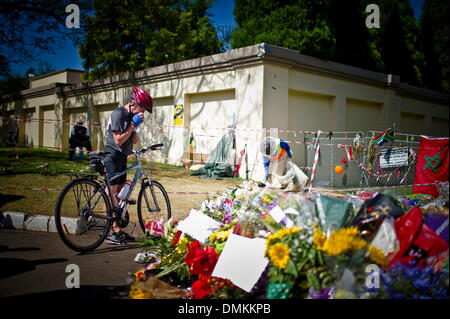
[324,293]
[227,218]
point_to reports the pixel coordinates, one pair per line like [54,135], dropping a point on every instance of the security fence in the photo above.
[365,163]
[392,164]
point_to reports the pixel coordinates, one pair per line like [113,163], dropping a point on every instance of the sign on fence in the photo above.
[393,157]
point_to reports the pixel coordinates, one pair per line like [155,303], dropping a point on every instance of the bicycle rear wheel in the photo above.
[153,204]
[83,215]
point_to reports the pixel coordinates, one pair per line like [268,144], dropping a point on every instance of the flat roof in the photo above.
[55,72]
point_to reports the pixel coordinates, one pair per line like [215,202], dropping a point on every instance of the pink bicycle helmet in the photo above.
[142,97]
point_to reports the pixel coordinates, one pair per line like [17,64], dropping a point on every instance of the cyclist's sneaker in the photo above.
[115,239]
[125,236]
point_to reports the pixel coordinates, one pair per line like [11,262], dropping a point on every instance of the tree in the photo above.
[134,35]
[336,30]
[434,34]
[300,25]
[32,27]
[353,40]
[397,41]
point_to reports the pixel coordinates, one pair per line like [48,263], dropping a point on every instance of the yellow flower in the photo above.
[339,242]
[266,199]
[377,256]
[281,233]
[358,244]
[220,237]
[182,245]
[279,255]
[319,238]
[137,293]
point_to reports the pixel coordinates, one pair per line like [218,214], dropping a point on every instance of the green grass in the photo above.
[39,161]
[48,162]
[27,171]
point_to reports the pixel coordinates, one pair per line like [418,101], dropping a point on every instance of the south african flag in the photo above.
[386,136]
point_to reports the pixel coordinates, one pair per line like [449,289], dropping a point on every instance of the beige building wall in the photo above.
[280,89]
[44,80]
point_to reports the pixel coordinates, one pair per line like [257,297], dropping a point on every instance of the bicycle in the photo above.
[84,211]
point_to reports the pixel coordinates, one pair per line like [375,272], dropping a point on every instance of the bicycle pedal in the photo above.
[131,202]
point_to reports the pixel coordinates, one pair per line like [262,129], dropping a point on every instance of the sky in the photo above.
[66,57]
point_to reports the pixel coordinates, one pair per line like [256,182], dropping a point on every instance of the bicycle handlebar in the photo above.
[154,147]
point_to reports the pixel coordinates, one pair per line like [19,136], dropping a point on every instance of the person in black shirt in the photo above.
[79,137]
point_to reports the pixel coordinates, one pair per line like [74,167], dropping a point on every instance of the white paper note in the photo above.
[277,214]
[242,261]
[198,225]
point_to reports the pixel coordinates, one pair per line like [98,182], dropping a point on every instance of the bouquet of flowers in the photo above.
[296,264]
[201,262]
[165,248]
[345,252]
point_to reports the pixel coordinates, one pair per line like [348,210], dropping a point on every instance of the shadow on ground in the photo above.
[6,248]
[5,198]
[112,249]
[84,292]
[13,266]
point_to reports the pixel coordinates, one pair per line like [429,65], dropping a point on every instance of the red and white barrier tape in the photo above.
[216,193]
[99,125]
[58,190]
[313,173]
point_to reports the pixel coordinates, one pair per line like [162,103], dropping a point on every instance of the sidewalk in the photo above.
[33,264]
[43,223]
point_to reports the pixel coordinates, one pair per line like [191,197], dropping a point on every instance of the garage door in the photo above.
[210,112]
[49,127]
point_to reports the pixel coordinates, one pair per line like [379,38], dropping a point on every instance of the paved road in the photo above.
[33,264]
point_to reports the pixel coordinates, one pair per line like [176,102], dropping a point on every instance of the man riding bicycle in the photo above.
[122,132]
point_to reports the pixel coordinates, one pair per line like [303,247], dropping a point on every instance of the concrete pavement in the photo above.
[33,264]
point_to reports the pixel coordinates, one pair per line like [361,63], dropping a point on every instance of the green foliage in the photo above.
[434,34]
[30,28]
[336,30]
[353,38]
[398,41]
[134,35]
[306,266]
[298,25]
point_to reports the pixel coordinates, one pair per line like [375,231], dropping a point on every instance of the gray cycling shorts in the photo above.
[114,163]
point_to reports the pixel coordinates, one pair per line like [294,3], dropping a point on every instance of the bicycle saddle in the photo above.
[93,155]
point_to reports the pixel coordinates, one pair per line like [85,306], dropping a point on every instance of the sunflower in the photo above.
[281,233]
[377,255]
[319,238]
[279,255]
[339,242]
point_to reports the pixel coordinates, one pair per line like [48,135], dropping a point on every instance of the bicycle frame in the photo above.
[139,173]
[106,185]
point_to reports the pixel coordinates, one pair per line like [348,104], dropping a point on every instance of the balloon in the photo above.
[338,169]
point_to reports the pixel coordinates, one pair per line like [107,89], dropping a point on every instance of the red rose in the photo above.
[200,288]
[201,261]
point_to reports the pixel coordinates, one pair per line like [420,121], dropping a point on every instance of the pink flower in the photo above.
[155,228]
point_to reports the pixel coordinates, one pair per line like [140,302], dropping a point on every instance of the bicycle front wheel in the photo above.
[83,215]
[153,204]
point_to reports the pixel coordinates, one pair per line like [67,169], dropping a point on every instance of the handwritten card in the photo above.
[198,225]
[242,261]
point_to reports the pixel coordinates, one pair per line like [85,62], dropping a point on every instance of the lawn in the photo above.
[41,168]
